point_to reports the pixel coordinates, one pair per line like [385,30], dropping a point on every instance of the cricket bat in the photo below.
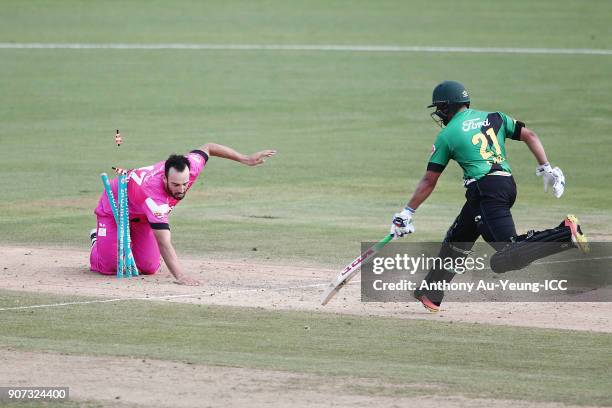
[351,270]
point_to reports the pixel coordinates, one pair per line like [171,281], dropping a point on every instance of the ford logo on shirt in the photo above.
[474,124]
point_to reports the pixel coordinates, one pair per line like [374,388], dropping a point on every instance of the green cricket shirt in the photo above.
[475,140]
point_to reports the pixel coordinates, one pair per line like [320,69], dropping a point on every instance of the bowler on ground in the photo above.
[153,192]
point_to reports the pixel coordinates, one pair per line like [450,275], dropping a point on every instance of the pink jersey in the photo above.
[147,193]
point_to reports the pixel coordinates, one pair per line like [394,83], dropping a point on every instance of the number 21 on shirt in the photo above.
[484,145]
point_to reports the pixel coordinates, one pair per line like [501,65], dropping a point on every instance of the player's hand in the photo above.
[402,223]
[553,178]
[258,158]
[187,281]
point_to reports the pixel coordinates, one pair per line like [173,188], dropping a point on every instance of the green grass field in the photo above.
[351,128]
[353,136]
[466,359]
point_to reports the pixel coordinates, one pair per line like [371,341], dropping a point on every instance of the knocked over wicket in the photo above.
[126,266]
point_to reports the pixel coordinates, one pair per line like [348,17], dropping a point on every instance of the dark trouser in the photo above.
[486,213]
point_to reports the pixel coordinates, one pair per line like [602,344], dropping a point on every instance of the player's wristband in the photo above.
[410,210]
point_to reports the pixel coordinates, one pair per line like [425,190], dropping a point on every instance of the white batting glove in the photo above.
[402,223]
[553,178]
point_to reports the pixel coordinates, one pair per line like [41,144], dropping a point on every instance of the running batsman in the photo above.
[476,141]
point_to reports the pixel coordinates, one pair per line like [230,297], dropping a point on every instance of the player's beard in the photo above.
[177,196]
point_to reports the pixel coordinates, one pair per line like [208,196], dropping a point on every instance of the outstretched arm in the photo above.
[533,142]
[169,254]
[402,221]
[424,189]
[217,150]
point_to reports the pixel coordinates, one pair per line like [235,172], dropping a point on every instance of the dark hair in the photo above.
[177,162]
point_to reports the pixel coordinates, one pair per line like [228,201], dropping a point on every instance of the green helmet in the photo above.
[450,93]
[448,97]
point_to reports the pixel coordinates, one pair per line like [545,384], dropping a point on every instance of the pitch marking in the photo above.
[309,47]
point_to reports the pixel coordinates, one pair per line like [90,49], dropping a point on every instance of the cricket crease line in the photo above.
[184,295]
[188,295]
[308,47]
